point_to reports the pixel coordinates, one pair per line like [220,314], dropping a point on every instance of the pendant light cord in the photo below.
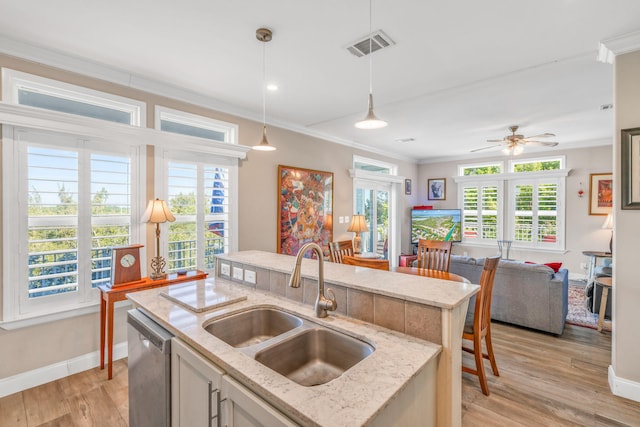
[264,83]
[370,54]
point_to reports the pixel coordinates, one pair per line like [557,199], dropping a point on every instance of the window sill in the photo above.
[38,319]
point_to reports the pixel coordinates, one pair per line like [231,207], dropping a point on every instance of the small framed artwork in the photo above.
[437,189]
[407,187]
[630,168]
[600,193]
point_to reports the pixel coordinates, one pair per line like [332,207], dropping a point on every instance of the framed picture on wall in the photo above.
[600,193]
[407,187]
[305,209]
[437,189]
[630,168]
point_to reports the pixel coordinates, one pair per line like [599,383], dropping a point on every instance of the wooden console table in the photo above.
[109,296]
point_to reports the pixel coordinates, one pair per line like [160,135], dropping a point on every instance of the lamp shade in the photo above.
[608,222]
[157,212]
[358,224]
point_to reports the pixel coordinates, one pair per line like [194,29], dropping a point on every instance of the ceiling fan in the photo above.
[514,143]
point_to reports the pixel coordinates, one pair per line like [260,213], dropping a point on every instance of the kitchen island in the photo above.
[422,307]
[395,381]
[398,314]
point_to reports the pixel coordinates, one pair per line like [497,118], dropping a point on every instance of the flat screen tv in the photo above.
[436,224]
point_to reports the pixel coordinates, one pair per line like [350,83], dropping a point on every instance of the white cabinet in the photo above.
[203,395]
[195,388]
[242,408]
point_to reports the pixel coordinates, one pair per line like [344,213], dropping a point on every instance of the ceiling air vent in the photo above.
[379,40]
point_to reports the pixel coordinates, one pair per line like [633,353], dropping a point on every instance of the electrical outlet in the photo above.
[237,273]
[225,269]
[583,265]
[250,276]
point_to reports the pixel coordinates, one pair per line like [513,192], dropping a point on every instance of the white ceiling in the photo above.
[461,71]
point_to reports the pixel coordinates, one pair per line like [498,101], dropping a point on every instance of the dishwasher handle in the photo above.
[149,329]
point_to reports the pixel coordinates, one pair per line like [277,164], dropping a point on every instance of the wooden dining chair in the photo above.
[478,326]
[434,254]
[380,264]
[337,250]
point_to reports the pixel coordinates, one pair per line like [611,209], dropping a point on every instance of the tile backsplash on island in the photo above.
[411,318]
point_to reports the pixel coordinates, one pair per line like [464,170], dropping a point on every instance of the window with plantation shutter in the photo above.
[72,203]
[531,202]
[535,206]
[198,193]
[480,212]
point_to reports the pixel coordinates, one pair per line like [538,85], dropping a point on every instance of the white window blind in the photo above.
[481,219]
[71,202]
[198,195]
[535,206]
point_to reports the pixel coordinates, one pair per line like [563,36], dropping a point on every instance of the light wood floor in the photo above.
[544,381]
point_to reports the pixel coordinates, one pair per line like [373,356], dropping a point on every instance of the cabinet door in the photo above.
[195,388]
[242,408]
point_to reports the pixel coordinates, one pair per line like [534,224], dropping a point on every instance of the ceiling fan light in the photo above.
[371,121]
[517,149]
[507,150]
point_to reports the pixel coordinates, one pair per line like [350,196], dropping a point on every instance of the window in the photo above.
[68,201]
[375,195]
[182,123]
[198,234]
[530,196]
[27,89]
[199,189]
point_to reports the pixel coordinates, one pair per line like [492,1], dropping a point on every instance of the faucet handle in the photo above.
[332,300]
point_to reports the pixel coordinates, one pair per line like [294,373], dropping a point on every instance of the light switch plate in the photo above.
[237,273]
[346,219]
[250,276]
[225,269]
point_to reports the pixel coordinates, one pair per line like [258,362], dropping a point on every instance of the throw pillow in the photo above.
[554,265]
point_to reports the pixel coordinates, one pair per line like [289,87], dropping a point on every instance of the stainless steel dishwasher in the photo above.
[149,371]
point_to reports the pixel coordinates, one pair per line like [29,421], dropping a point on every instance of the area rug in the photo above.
[578,313]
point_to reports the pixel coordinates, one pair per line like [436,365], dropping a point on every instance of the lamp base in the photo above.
[357,244]
[157,267]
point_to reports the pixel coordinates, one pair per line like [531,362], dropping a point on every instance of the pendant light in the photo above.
[264,35]
[370,121]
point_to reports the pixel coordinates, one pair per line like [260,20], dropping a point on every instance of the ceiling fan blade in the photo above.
[486,148]
[496,140]
[542,135]
[545,143]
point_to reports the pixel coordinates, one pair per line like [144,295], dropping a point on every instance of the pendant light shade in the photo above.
[264,144]
[371,121]
[264,35]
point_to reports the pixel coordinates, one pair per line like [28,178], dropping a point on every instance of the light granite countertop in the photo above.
[352,399]
[419,289]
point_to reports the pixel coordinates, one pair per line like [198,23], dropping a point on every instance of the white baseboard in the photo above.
[45,374]
[623,387]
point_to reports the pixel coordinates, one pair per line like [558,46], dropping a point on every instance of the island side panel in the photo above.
[449,382]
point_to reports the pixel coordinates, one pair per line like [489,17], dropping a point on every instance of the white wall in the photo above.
[583,231]
[625,373]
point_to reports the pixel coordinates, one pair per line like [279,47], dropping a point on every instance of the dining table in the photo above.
[436,274]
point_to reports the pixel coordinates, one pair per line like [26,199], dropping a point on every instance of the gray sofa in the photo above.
[529,295]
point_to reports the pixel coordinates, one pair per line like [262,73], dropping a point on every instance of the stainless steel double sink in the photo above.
[301,350]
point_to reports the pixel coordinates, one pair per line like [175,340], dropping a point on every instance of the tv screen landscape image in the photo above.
[436,224]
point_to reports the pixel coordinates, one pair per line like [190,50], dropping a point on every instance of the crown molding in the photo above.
[609,48]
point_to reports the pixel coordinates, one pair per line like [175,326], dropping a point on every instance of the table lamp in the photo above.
[157,212]
[358,225]
[608,224]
